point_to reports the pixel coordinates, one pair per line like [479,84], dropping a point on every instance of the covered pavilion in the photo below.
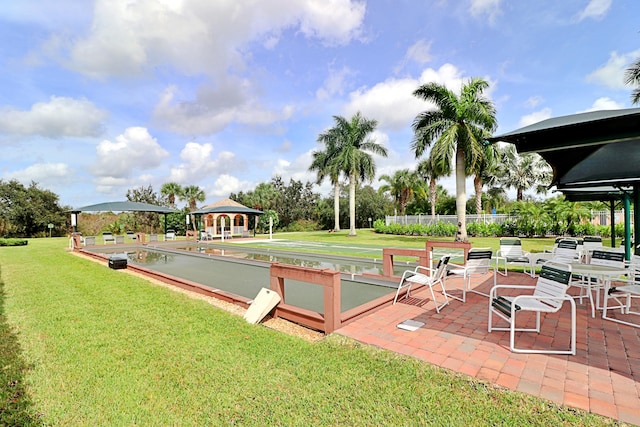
[594,156]
[121,206]
[214,218]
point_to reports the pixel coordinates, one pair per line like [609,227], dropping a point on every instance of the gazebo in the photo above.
[214,218]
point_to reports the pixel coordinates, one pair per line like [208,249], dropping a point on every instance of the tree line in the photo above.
[449,137]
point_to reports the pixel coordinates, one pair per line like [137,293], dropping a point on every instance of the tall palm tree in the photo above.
[192,194]
[632,77]
[401,186]
[430,171]
[323,165]
[525,171]
[352,154]
[457,127]
[171,190]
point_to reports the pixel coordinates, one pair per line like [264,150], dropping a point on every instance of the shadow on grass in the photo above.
[15,404]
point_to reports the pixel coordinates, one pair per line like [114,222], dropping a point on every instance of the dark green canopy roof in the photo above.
[585,149]
[125,206]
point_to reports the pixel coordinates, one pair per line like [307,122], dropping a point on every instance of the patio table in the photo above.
[602,274]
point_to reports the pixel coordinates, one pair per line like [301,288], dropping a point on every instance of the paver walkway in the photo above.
[603,377]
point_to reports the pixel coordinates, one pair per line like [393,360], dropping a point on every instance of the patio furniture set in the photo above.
[590,268]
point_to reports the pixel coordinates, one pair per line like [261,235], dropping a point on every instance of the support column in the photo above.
[636,219]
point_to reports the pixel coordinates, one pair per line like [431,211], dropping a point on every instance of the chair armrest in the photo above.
[420,267]
[494,290]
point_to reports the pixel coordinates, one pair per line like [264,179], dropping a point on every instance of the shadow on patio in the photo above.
[603,377]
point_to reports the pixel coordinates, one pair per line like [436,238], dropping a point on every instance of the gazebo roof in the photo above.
[227,206]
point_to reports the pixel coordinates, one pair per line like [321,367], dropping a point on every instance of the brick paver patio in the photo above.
[603,377]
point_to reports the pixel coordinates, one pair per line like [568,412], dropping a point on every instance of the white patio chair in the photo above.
[511,252]
[170,235]
[107,237]
[587,284]
[478,263]
[548,296]
[416,277]
[625,293]
[590,243]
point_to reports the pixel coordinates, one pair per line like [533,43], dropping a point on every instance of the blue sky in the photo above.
[100,97]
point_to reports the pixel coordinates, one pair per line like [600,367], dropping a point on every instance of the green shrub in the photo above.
[13,242]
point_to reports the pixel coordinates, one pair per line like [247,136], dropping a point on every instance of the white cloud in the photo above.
[198,164]
[486,8]
[59,117]
[611,74]
[604,103]
[534,101]
[200,36]
[392,103]
[596,9]
[214,109]
[226,184]
[133,151]
[334,83]
[48,175]
[419,52]
[535,117]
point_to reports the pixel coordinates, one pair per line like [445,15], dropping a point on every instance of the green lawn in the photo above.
[85,345]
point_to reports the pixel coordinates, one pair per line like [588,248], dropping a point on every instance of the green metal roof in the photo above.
[586,148]
[125,206]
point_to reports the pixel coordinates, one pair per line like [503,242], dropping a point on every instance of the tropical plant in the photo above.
[192,194]
[352,154]
[324,165]
[171,190]
[432,171]
[523,172]
[485,172]
[632,77]
[457,127]
[401,186]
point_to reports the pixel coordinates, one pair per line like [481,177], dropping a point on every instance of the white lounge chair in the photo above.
[478,263]
[548,296]
[511,252]
[417,277]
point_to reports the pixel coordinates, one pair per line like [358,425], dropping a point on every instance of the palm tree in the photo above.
[632,77]
[458,128]
[352,154]
[171,190]
[401,186]
[430,171]
[524,171]
[485,173]
[324,167]
[192,194]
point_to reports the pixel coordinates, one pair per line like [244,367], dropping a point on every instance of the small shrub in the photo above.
[13,242]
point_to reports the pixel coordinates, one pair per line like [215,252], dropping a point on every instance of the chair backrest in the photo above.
[511,247]
[441,268]
[634,268]
[566,252]
[607,258]
[592,242]
[479,260]
[553,281]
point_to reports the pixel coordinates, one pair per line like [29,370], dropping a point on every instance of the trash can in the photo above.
[118,262]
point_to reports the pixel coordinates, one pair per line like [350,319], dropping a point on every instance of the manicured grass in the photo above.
[100,347]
